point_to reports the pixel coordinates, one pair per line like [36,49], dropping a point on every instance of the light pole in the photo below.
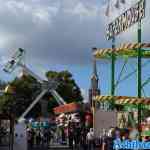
[139,77]
[113,72]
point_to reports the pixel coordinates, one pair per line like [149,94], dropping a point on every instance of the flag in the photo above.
[123,1]
[107,9]
[117,5]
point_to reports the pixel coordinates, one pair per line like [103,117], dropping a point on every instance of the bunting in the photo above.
[116,5]
[122,100]
[123,1]
[108,9]
[128,49]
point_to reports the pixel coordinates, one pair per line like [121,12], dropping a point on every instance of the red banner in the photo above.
[72,107]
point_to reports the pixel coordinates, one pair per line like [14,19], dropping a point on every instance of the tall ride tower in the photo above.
[94,89]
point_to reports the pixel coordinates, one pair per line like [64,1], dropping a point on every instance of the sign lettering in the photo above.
[126,20]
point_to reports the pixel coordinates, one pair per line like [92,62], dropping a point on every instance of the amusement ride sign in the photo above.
[126,20]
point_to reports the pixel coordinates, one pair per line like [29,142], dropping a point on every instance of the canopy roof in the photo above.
[125,50]
[67,108]
[4,116]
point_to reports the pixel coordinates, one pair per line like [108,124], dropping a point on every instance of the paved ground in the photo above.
[54,147]
[60,147]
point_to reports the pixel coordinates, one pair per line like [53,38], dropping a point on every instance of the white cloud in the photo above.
[83,11]
[50,31]
[15,6]
[41,16]
[55,31]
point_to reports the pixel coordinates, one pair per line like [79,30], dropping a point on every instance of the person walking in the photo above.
[107,140]
[77,135]
[70,136]
[83,139]
[32,137]
[28,138]
[38,137]
[90,139]
[117,138]
[46,137]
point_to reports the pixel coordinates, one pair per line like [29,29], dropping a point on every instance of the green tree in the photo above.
[6,103]
[26,90]
[23,91]
[2,99]
[67,88]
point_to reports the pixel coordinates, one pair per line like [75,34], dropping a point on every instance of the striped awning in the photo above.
[129,49]
[124,100]
[134,46]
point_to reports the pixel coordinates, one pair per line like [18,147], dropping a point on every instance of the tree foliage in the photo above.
[26,89]
[67,87]
[23,92]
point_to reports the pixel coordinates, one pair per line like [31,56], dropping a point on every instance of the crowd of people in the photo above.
[107,140]
[39,137]
[79,137]
[85,139]
[76,137]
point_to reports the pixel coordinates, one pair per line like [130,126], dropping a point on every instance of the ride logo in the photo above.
[127,19]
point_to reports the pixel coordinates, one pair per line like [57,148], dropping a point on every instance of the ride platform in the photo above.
[125,50]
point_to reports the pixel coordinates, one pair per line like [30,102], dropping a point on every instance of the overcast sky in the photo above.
[59,34]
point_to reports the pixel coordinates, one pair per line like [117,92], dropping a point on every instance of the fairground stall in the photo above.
[127,112]
[74,116]
[137,53]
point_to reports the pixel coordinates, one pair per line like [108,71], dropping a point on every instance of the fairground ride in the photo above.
[126,52]
[17,60]
[47,85]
